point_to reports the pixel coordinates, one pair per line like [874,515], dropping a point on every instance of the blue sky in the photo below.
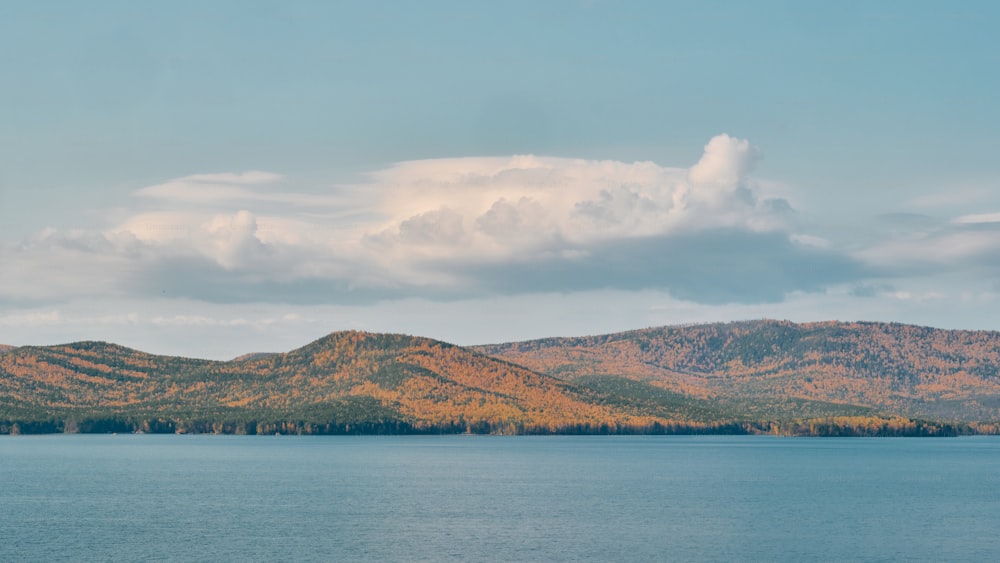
[215,178]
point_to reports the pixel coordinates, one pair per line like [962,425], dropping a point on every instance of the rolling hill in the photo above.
[891,368]
[347,381]
[748,377]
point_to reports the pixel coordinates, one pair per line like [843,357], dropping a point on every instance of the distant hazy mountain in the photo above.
[763,376]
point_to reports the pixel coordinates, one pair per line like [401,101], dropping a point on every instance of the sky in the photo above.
[209,179]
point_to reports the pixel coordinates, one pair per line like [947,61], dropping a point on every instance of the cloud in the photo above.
[918,297]
[725,163]
[56,264]
[869,290]
[235,239]
[977,218]
[716,267]
[955,196]
[525,204]
[31,318]
[811,240]
[204,188]
[447,229]
[244,189]
[970,243]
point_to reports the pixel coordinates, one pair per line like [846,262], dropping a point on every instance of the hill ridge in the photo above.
[741,376]
[891,366]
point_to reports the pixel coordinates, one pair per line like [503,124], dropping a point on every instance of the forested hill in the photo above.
[903,369]
[763,376]
[345,382]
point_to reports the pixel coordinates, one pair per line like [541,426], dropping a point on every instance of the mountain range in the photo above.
[828,378]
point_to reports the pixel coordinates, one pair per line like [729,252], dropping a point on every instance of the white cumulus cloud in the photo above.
[439,227]
[528,206]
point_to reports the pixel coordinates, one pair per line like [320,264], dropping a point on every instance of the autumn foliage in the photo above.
[894,368]
[750,377]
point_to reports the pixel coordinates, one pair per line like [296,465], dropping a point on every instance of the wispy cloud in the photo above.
[228,189]
[978,218]
[956,196]
[968,243]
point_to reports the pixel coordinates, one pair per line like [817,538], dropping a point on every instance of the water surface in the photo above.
[462,498]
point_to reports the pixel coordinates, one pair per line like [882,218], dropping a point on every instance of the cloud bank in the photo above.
[445,229]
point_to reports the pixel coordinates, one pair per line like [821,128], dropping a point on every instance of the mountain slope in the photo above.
[762,376]
[392,382]
[429,383]
[902,369]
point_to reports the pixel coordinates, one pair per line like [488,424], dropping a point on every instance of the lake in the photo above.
[496,498]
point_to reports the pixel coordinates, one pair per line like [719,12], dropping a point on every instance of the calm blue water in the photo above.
[255,498]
